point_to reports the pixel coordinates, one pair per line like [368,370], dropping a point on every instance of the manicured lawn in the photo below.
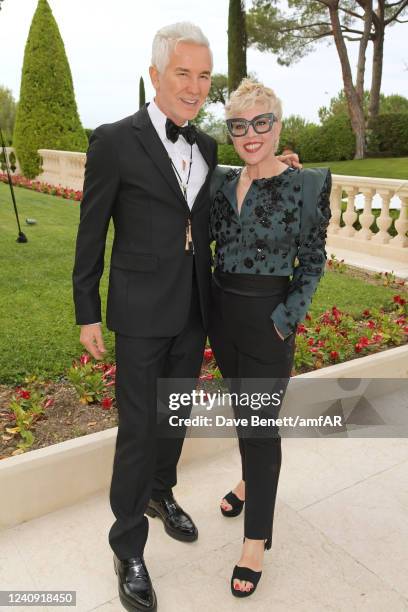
[38,333]
[349,294]
[387,167]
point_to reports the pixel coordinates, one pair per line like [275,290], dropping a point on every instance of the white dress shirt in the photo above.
[180,152]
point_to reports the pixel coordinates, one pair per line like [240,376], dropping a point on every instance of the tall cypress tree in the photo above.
[142,94]
[237,44]
[47,115]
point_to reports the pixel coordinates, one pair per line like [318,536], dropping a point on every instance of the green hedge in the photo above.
[227,155]
[47,115]
[293,129]
[334,140]
[387,135]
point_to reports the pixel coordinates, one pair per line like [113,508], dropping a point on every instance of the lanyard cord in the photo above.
[182,185]
[189,247]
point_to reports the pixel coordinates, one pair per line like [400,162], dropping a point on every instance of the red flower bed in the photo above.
[62,192]
[332,337]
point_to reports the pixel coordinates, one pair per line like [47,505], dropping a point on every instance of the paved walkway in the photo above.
[339,544]
[370,262]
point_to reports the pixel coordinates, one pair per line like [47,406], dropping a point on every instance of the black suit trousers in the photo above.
[144,464]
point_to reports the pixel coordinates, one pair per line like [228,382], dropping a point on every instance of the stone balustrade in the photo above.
[365,240]
[63,168]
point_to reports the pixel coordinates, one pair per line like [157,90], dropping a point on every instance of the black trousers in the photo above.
[254,358]
[144,464]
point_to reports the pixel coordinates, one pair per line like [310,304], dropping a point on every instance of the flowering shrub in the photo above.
[62,192]
[335,264]
[389,279]
[336,336]
[27,405]
[93,381]
[332,337]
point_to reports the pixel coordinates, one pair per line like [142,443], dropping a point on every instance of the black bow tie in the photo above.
[173,131]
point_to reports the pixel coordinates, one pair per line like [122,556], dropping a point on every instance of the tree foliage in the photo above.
[393,103]
[8,109]
[333,140]
[291,34]
[388,135]
[219,89]
[293,129]
[47,115]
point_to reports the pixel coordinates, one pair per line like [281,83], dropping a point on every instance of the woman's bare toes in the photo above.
[225,505]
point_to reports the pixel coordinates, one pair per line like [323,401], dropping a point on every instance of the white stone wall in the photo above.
[64,168]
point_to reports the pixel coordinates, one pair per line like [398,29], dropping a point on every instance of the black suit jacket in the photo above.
[128,176]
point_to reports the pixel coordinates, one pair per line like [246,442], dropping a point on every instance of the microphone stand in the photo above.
[21,236]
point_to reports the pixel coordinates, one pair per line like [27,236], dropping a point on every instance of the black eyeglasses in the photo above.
[261,124]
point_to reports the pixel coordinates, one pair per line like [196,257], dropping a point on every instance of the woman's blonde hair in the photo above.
[249,93]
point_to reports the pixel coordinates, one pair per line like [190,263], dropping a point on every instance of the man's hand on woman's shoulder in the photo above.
[290,160]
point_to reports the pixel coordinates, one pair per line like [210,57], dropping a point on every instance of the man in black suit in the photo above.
[152,178]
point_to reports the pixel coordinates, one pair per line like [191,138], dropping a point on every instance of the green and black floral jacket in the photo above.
[283,222]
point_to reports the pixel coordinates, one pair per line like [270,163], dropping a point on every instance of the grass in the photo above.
[349,294]
[384,167]
[38,334]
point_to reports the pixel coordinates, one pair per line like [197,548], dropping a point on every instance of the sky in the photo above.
[108,44]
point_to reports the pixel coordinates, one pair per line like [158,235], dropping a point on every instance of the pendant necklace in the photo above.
[189,247]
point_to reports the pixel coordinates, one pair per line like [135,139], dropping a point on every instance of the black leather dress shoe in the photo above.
[177,523]
[135,588]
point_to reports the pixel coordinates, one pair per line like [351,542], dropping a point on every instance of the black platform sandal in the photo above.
[236,503]
[246,573]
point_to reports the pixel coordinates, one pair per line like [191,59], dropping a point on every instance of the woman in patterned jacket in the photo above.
[269,223]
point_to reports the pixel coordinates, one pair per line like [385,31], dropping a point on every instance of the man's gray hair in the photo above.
[167,38]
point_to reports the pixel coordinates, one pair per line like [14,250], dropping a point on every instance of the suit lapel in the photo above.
[204,149]
[154,147]
[205,152]
[203,189]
